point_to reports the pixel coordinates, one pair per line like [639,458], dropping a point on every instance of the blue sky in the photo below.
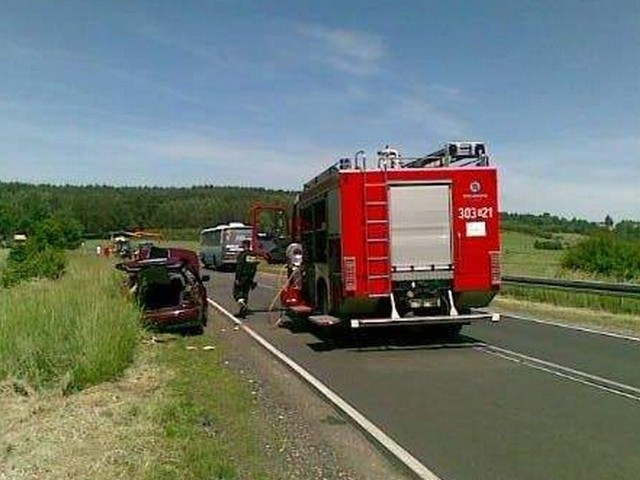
[270,93]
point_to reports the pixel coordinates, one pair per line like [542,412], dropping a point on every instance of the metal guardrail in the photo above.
[625,289]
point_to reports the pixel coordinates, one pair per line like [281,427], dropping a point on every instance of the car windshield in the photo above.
[235,236]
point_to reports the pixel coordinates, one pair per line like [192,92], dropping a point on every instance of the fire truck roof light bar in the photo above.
[456,154]
[468,152]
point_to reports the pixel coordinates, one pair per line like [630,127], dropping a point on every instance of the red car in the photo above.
[170,289]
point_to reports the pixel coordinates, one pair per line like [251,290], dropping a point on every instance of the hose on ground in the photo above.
[284,280]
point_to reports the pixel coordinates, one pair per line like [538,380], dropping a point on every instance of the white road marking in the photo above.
[575,327]
[585,378]
[374,432]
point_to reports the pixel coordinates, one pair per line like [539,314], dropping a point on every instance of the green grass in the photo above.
[520,258]
[70,333]
[206,418]
[626,324]
[593,301]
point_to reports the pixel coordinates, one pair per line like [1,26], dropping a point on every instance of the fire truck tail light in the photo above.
[495,268]
[349,273]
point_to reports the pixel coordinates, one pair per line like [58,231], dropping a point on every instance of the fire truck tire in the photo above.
[450,330]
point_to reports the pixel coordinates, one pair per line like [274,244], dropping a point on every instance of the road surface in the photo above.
[513,400]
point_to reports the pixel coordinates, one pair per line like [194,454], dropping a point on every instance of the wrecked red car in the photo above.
[169,289]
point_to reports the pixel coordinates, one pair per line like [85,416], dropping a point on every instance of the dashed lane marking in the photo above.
[601,383]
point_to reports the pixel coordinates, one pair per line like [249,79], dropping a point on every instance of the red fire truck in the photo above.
[407,241]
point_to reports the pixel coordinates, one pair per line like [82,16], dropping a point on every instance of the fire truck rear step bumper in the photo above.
[434,320]
[324,320]
[301,309]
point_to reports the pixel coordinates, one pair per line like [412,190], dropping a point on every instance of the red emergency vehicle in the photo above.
[405,241]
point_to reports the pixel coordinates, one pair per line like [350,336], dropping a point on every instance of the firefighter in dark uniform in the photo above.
[246,267]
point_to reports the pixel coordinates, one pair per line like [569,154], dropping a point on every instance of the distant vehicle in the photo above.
[122,246]
[220,246]
[271,235]
[170,289]
[121,242]
[19,238]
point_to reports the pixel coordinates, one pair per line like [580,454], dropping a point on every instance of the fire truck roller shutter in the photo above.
[420,235]
[333,212]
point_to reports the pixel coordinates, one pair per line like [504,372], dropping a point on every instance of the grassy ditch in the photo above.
[73,332]
[208,419]
[144,405]
[180,412]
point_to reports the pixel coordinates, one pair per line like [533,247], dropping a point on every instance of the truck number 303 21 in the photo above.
[473,213]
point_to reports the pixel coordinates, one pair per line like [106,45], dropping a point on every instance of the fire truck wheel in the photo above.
[450,330]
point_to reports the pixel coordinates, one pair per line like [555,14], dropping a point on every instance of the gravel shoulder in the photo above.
[318,443]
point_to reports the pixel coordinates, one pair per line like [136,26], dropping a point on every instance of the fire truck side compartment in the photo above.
[420,231]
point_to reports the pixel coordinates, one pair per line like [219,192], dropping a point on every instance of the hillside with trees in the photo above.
[97,210]
[546,225]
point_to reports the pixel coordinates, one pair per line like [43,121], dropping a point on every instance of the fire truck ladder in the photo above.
[453,154]
[376,232]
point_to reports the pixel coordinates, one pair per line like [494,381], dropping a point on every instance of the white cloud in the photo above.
[74,153]
[586,178]
[569,198]
[350,51]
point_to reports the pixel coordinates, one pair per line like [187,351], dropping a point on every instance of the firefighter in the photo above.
[246,267]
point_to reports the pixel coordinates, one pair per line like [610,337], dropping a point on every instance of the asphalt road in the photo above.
[466,412]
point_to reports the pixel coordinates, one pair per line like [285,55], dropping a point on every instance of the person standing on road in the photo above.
[246,267]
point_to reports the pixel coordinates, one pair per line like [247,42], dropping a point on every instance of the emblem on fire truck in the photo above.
[475,187]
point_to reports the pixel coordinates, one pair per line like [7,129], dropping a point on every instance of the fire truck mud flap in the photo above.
[431,320]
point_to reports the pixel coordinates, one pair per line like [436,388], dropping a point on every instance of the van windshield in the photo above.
[235,236]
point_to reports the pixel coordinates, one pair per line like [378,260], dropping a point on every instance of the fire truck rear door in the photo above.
[420,233]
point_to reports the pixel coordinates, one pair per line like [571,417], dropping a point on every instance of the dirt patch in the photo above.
[99,433]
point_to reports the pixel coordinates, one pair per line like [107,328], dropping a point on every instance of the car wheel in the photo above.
[197,330]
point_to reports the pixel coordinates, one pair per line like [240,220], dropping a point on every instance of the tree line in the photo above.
[546,225]
[97,210]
